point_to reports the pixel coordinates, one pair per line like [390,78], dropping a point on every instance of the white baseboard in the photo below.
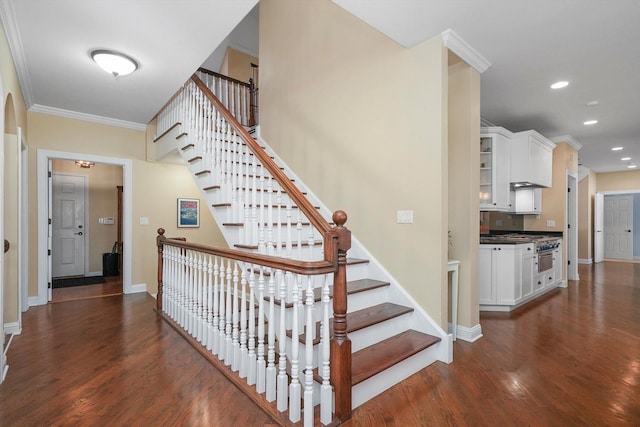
[472,334]
[136,289]
[12,328]
[585,260]
[154,296]
[94,273]
[34,301]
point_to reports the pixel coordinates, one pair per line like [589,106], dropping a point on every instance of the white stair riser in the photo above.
[379,332]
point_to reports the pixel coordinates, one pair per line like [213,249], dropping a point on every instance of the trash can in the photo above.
[110,264]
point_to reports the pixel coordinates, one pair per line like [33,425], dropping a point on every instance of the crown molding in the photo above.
[568,139]
[486,123]
[87,117]
[457,45]
[10,25]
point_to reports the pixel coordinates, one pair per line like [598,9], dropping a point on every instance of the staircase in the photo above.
[389,336]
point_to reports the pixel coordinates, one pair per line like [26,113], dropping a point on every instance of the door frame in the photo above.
[599,247]
[43,157]
[85,220]
[572,233]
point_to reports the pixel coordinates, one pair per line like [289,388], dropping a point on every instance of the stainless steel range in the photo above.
[545,245]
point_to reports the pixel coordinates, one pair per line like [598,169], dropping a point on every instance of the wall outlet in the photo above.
[551,223]
[144,220]
[404,217]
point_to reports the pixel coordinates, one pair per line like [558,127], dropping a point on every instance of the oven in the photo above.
[545,260]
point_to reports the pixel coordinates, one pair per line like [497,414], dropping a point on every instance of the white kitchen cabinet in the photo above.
[494,169]
[557,264]
[527,201]
[529,266]
[531,158]
[499,268]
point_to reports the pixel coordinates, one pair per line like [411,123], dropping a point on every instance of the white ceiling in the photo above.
[594,44]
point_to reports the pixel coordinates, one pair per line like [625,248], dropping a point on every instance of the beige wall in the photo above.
[155,187]
[14,115]
[102,180]
[618,181]
[464,160]
[363,121]
[586,194]
[237,65]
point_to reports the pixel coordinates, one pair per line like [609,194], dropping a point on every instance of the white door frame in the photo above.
[572,233]
[598,228]
[43,157]
[599,246]
[3,368]
[23,225]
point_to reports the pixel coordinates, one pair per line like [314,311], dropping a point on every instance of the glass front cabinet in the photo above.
[494,169]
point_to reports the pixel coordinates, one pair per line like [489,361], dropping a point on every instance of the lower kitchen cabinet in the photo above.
[508,276]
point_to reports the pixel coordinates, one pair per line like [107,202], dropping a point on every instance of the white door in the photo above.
[618,227]
[598,228]
[68,225]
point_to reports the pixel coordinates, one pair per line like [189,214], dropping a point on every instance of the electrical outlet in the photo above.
[404,217]
[144,220]
[551,223]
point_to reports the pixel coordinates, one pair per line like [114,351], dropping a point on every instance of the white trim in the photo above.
[43,157]
[137,289]
[12,328]
[486,123]
[8,18]
[154,296]
[571,264]
[568,139]
[34,301]
[37,108]
[93,274]
[586,260]
[457,45]
[472,334]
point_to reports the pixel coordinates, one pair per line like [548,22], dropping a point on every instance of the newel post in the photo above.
[340,343]
[159,241]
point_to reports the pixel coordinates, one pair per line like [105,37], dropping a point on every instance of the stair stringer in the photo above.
[420,320]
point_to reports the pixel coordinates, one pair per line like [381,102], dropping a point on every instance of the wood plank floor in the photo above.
[113,286]
[571,359]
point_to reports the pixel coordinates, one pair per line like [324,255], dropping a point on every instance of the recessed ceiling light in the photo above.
[591,103]
[559,85]
[115,63]
[632,166]
[617,148]
[590,122]
[624,159]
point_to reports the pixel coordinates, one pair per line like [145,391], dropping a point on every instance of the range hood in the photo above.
[531,160]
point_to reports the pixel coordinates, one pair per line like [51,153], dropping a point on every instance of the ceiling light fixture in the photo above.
[617,148]
[591,103]
[624,159]
[559,85]
[632,166]
[115,63]
[85,163]
[590,122]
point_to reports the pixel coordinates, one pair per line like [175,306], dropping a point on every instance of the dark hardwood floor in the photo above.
[113,286]
[570,359]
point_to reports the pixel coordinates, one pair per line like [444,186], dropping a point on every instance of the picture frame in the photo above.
[188,213]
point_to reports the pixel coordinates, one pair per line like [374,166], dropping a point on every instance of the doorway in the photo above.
[571,230]
[617,225]
[124,166]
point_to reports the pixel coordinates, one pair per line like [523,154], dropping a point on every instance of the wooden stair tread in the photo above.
[376,358]
[353,287]
[294,245]
[364,318]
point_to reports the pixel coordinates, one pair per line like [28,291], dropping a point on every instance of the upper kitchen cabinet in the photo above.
[494,169]
[533,155]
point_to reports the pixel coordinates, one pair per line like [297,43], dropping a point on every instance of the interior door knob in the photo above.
[80,233]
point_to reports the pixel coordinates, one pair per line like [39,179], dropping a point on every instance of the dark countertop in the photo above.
[507,238]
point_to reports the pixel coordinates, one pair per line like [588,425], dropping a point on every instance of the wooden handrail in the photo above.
[222,76]
[290,188]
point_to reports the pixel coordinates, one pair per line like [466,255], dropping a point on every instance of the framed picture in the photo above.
[188,212]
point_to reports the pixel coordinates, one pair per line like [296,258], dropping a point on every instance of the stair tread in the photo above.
[294,244]
[376,358]
[364,318]
[353,287]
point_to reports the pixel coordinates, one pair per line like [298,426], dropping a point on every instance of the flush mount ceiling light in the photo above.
[590,122]
[84,163]
[624,159]
[559,85]
[617,148]
[115,63]
[632,166]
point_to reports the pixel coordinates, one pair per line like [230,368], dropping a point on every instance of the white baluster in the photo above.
[271,351]
[243,324]
[261,224]
[222,350]
[269,247]
[251,373]
[326,392]
[235,336]
[229,310]
[279,224]
[215,338]
[210,292]
[294,386]
[254,202]
[308,372]
[282,363]
[199,283]
[261,364]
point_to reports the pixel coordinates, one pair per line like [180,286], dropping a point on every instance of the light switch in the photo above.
[404,217]
[551,223]
[144,220]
